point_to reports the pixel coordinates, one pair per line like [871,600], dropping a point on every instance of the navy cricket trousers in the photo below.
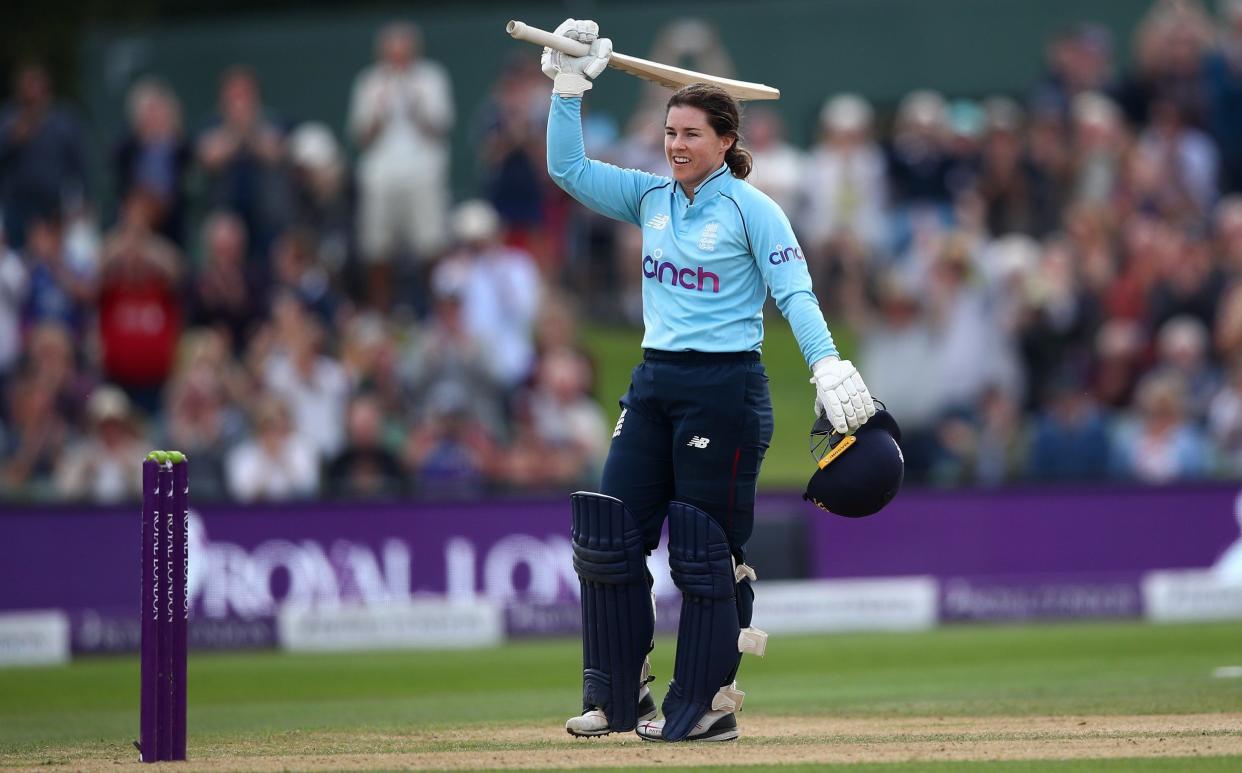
[694,428]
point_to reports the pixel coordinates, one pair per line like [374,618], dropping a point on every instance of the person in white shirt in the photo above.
[500,291]
[400,115]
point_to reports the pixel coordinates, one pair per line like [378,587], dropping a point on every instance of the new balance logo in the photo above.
[699,442]
[617,429]
[658,222]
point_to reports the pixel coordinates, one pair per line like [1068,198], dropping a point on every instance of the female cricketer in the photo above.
[697,418]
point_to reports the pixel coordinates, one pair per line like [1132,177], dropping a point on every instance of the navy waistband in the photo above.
[703,357]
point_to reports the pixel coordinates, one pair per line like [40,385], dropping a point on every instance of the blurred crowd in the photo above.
[1041,286]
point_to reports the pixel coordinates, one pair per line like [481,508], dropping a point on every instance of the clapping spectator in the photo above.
[311,383]
[1070,440]
[60,290]
[225,295]
[243,153]
[140,306]
[1223,80]
[401,111]
[154,156]
[42,156]
[99,467]
[201,415]
[276,464]
[1160,444]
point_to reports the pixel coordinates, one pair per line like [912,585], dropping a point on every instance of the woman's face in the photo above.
[693,148]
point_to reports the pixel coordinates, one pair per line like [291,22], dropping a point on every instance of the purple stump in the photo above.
[149,613]
[167,567]
[181,604]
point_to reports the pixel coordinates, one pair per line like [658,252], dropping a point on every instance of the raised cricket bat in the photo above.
[663,74]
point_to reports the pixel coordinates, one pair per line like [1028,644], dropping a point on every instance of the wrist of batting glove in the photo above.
[840,394]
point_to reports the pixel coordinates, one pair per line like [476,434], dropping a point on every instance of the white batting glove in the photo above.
[571,75]
[841,395]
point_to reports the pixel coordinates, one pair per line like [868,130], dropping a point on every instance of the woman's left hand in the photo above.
[841,395]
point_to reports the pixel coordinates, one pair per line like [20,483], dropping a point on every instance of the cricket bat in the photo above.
[663,74]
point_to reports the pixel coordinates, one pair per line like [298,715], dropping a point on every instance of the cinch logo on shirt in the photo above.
[689,278]
[658,222]
[784,255]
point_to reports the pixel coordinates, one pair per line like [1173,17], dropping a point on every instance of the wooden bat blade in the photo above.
[676,77]
[663,74]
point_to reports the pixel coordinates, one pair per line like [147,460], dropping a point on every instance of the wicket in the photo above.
[165,606]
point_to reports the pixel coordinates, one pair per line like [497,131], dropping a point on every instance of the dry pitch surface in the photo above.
[766,740]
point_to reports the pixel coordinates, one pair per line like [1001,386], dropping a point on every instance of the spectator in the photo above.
[202,417]
[1160,444]
[100,466]
[276,464]
[225,295]
[1182,349]
[779,166]
[500,291]
[511,153]
[365,468]
[918,159]
[1070,440]
[1223,82]
[370,355]
[14,282]
[243,154]
[310,383]
[447,362]
[139,303]
[324,196]
[1169,46]
[36,437]
[1187,162]
[60,290]
[895,340]
[42,156]
[300,271]
[154,156]
[1098,138]
[562,435]
[448,451]
[401,111]
[843,189]
[1079,60]
[1224,422]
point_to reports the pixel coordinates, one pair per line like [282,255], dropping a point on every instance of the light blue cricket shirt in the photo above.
[707,265]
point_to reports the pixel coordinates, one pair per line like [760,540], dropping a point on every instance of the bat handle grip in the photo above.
[522,31]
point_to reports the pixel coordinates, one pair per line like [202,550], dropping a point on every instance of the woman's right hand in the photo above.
[571,75]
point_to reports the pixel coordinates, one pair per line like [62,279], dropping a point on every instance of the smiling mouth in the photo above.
[681,160]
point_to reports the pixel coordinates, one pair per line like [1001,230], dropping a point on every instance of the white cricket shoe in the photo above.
[594,723]
[714,726]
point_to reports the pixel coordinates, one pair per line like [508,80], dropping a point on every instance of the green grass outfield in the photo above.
[274,707]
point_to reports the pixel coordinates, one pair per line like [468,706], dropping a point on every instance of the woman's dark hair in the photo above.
[724,116]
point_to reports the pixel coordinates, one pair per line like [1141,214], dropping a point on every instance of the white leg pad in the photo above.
[752,641]
[728,698]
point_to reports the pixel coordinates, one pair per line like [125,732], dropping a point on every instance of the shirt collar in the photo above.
[710,183]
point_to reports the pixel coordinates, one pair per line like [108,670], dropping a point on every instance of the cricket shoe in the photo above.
[593,722]
[714,726]
[718,724]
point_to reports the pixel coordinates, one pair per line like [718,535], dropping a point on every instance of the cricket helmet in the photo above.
[857,474]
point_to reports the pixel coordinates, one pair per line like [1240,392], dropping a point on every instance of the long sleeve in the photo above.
[607,189]
[781,261]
